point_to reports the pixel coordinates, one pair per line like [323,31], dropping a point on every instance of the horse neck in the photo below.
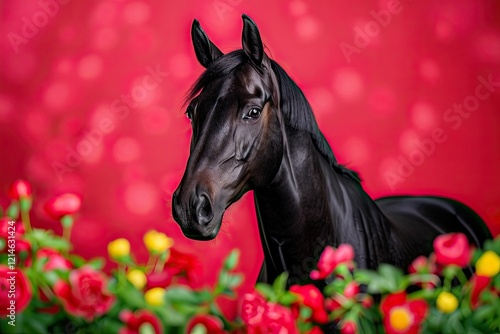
[309,205]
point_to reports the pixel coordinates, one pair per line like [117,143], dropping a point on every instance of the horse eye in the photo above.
[253,113]
[189,114]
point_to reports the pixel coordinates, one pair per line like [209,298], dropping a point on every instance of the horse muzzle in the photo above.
[196,216]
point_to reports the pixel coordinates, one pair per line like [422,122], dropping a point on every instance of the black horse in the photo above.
[253,129]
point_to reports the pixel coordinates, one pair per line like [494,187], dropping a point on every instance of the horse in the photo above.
[254,130]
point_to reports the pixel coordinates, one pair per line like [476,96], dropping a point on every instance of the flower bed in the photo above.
[44,288]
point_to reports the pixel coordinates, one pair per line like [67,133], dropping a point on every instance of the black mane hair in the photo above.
[295,108]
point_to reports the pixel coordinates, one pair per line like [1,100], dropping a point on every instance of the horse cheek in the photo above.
[244,140]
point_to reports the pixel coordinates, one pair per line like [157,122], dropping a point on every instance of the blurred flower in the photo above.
[331,258]
[17,284]
[446,302]
[209,324]
[54,259]
[154,296]
[85,295]
[157,242]
[137,278]
[423,265]
[20,189]
[266,317]
[310,296]
[277,319]
[63,205]
[315,330]
[452,249]
[137,322]
[402,315]
[351,290]
[348,327]
[253,308]
[488,264]
[119,248]
[478,285]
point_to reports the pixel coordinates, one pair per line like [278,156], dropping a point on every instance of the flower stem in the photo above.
[25,217]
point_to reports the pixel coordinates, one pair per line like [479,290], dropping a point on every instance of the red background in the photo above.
[375,107]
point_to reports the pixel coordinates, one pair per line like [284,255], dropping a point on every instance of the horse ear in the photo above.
[205,50]
[252,44]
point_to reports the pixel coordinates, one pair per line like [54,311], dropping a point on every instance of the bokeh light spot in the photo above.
[307,28]
[57,95]
[89,67]
[356,150]
[126,149]
[408,141]
[429,70]
[136,13]
[423,116]
[140,197]
[348,84]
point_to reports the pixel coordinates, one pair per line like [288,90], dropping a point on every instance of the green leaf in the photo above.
[232,260]
[181,294]
[288,298]
[279,285]
[130,296]
[234,280]
[392,275]
[266,290]
[97,263]
[77,260]
[13,210]
[484,313]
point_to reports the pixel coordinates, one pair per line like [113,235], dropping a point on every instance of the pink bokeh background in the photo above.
[379,95]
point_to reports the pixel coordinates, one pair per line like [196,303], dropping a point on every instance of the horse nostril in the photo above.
[203,210]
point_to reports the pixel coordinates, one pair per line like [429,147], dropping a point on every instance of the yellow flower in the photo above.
[157,242]
[154,296]
[400,318]
[137,278]
[119,248]
[446,302]
[488,264]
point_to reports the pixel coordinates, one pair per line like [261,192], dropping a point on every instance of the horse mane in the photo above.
[296,109]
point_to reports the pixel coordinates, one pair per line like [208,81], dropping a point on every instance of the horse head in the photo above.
[236,142]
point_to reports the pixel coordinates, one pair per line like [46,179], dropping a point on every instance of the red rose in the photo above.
[311,297]
[402,315]
[63,205]
[452,249]
[478,284]
[54,260]
[351,290]
[85,295]
[210,323]
[349,327]
[277,320]
[315,330]
[13,280]
[135,320]
[20,189]
[253,308]
[331,258]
